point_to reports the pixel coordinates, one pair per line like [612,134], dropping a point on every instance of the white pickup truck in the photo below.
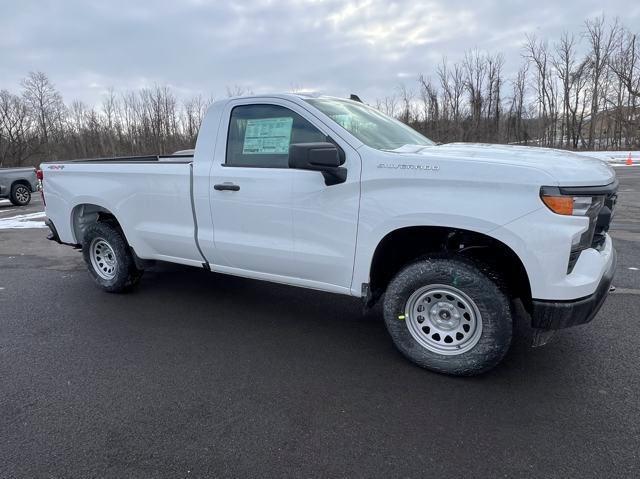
[330,194]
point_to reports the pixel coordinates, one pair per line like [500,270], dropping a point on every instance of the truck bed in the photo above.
[150,195]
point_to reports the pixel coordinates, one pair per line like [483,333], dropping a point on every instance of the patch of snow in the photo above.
[23,221]
[615,158]
[4,202]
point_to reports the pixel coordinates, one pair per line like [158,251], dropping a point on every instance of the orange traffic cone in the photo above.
[629,160]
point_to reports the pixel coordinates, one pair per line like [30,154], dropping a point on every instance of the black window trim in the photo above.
[226,145]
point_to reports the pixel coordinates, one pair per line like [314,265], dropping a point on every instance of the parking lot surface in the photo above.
[197,374]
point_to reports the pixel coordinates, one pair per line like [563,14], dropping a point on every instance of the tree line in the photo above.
[581,91]
[578,92]
[36,124]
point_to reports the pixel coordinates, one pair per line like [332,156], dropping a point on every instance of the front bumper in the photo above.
[551,315]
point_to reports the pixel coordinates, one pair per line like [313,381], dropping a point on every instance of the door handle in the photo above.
[226,187]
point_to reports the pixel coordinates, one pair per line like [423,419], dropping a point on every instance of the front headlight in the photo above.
[571,205]
[588,206]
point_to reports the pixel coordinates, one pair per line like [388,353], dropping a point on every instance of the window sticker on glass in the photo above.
[268,136]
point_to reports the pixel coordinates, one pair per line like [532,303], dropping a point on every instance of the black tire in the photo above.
[478,284]
[123,275]
[20,195]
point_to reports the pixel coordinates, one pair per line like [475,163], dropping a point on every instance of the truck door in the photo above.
[270,219]
[251,188]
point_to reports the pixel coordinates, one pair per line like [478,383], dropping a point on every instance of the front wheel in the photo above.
[449,315]
[20,195]
[109,259]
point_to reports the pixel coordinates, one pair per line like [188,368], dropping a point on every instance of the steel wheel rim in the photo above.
[103,259]
[22,194]
[443,319]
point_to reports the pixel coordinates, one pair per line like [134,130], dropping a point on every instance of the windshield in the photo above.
[368,125]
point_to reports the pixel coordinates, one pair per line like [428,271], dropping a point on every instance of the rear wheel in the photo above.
[109,259]
[449,315]
[20,195]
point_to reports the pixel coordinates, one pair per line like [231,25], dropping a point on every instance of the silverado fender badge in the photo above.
[409,167]
[55,167]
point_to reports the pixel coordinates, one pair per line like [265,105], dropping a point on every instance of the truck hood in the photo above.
[567,168]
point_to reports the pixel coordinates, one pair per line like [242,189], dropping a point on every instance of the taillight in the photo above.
[40,176]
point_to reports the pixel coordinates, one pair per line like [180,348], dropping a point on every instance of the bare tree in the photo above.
[516,126]
[495,63]
[544,83]
[626,67]
[571,72]
[407,114]
[388,105]
[193,114]
[475,69]
[17,132]
[452,85]
[238,90]
[111,124]
[625,64]
[602,44]
[430,101]
[46,105]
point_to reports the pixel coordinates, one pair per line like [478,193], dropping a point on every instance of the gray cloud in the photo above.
[200,46]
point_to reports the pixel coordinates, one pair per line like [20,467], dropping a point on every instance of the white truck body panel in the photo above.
[294,226]
[484,196]
[155,215]
[286,225]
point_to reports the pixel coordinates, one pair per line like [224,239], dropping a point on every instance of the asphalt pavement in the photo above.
[202,375]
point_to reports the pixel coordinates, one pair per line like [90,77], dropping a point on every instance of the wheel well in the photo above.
[405,245]
[20,182]
[87,214]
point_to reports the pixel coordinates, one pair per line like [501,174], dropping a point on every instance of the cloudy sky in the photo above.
[203,46]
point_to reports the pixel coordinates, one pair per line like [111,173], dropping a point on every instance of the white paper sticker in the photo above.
[267,136]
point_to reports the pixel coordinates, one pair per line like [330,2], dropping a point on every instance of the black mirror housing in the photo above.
[322,156]
[313,156]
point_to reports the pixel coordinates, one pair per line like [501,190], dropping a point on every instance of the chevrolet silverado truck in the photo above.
[17,184]
[330,194]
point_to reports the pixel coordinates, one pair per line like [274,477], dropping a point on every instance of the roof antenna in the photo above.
[355,98]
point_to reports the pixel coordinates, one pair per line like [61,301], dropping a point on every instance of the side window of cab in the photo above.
[259,135]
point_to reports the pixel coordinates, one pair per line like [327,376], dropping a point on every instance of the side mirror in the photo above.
[323,157]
